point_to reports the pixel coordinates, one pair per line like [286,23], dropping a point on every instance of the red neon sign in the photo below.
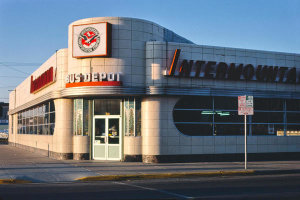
[42,81]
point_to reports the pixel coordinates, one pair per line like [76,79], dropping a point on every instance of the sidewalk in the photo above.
[18,164]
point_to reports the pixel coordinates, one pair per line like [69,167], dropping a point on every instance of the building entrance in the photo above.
[107,133]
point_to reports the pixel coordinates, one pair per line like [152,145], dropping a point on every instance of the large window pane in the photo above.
[228,116]
[36,120]
[293,104]
[226,103]
[268,104]
[195,103]
[293,117]
[192,116]
[86,117]
[268,117]
[195,129]
[138,117]
[107,107]
[267,129]
[230,129]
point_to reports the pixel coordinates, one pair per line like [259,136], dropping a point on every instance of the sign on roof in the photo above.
[91,40]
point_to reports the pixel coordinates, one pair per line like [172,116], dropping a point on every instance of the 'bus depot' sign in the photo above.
[93,79]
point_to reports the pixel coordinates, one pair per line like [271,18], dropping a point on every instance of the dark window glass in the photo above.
[267,129]
[138,117]
[107,107]
[46,118]
[293,117]
[52,107]
[228,116]
[52,117]
[51,129]
[192,116]
[194,103]
[267,117]
[293,104]
[195,129]
[47,107]
[268,104]
[40,130]
[226,103]
[34,129]
[230,129]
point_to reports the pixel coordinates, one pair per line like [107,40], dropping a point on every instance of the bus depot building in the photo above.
[131,90]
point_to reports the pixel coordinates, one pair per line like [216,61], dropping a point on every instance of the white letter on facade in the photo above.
[67,79]
[102,76]
[111,76]
[87,77]
[95,77]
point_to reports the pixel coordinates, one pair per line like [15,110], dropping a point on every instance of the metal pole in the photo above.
[245,142]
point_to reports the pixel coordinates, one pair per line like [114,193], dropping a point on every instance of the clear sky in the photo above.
[32,30]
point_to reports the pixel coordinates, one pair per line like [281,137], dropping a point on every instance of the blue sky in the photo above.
[32,30]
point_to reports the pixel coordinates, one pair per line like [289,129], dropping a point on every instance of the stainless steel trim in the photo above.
[94,91]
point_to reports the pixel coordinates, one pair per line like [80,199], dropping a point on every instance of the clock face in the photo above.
[91,40]
[88,39]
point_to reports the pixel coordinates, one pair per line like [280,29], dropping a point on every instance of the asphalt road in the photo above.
[241,187]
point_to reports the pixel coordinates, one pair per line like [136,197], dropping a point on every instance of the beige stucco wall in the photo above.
[61,141]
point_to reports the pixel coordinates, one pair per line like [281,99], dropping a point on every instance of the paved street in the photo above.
[242,187]
[16,163]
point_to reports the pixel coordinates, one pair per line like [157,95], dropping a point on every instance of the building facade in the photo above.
[3,119]
[130,90]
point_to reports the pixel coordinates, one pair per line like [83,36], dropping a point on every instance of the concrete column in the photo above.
[63,133]
[153,122]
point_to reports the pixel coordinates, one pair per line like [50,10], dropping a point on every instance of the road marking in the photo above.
[154,189]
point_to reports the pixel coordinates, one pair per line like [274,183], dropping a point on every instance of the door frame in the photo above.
[107,117]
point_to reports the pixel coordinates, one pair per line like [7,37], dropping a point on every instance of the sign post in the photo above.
[245,107]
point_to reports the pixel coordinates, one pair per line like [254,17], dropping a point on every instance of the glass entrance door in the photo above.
[106,138]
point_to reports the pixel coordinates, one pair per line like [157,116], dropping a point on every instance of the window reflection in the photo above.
[36,120]
[219,116]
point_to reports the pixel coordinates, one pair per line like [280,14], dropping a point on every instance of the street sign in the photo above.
[245,105]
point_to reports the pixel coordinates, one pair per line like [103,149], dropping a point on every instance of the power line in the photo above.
[21,64]
[13,76]
[7,86]
[10,67]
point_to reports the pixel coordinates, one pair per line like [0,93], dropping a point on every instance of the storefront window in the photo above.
[132,117]
[37,120]
[81,116]
[219,116]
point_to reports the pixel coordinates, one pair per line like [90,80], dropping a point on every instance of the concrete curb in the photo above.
[164,175]
[13,181]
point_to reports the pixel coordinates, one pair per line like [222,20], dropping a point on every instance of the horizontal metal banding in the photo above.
[99,91]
